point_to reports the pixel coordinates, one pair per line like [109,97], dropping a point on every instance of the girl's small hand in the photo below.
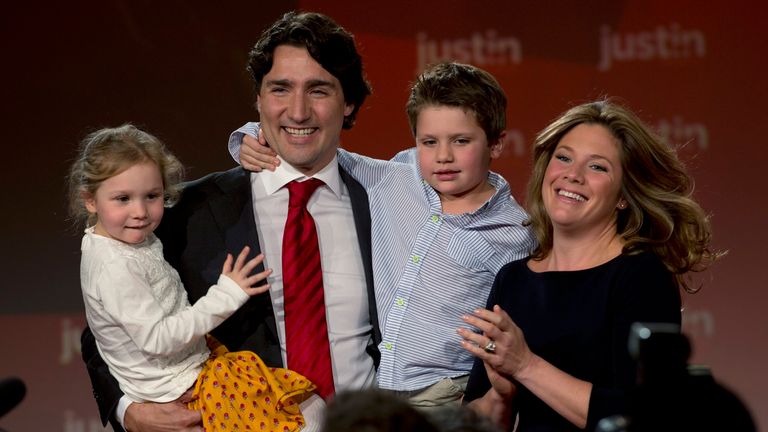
[511,354]
[242,269]
[255,154]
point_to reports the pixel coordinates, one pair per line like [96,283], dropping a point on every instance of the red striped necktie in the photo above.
[306,329]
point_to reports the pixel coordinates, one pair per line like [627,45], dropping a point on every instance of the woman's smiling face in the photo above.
[582,184]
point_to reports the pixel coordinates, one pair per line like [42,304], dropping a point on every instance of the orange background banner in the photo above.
[695,70]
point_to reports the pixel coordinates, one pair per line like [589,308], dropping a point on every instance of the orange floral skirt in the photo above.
[236,391]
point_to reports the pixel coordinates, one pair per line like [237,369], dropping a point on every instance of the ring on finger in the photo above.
[490,347]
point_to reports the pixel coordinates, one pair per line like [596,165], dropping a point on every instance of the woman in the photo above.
[618,230]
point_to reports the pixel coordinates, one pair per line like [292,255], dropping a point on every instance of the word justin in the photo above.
[663,43]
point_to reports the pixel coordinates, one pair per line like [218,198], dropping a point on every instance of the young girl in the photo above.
[149,335]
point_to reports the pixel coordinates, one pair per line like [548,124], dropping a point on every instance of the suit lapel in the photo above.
[232,212]
[362,215]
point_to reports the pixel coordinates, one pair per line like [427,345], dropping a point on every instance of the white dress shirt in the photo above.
[346,296]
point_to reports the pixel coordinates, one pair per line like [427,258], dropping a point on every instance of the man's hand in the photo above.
[162,417]
[255,154]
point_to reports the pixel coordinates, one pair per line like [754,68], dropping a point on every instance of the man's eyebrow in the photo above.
[309,84]
[320,83]
[278,82]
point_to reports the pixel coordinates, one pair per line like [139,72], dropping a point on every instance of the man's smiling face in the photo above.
[302,109]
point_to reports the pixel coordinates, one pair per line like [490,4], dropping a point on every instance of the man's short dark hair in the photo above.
[328,43]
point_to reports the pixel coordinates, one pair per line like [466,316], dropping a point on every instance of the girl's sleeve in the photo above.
[127,297]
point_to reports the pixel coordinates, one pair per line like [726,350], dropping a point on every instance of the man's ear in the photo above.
[497,148]
[348,108]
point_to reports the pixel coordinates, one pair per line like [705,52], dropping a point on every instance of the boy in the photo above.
[442,226]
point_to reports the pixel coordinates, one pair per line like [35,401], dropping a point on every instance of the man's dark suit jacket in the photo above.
[214,217]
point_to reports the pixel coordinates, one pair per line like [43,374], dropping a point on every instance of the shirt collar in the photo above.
[286,173]
[503,190]
[501,193]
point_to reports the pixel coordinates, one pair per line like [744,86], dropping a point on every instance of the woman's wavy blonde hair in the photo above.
[661,215]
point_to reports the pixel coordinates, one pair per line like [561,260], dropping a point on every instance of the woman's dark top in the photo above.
[579,321]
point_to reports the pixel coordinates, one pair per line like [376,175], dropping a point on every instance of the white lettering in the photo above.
[664,43]
[679,134]
[480,49]
[514,143]
[73,423]
[698,323]
[70,342]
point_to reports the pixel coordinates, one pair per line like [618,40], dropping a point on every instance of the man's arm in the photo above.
[162,417]
[106,390]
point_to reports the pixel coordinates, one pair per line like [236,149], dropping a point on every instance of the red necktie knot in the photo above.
[300,192]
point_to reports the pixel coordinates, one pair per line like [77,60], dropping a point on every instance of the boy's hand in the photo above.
[255,154]
[239,273]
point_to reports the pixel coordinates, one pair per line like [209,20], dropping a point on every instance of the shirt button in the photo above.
[435,218]
[415,259]
[388,346]
[400,301]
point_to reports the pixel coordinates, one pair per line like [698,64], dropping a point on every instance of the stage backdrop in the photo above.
[696,70]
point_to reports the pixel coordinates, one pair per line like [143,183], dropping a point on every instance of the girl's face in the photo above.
[129,206]
[582,184]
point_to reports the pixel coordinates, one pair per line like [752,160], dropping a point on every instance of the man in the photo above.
[310,85]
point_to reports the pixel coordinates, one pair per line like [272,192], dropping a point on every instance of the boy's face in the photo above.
[454,154]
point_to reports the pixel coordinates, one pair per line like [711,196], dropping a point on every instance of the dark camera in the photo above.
[661,352]
[672,395]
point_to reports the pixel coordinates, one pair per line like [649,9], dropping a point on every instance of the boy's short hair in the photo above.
[463,86]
